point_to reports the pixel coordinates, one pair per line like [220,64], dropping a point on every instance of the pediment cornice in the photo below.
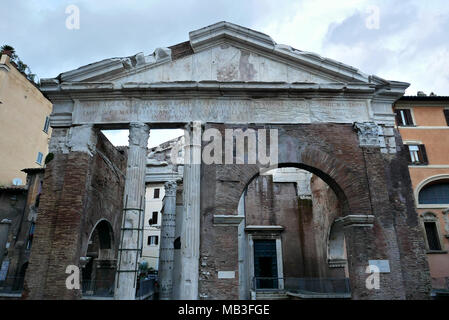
[100,76]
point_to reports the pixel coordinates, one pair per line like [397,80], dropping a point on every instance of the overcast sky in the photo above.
[404,40]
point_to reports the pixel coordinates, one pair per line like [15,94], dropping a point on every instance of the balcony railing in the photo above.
[97,288]
[12,285]
[105,289]
[145,289]
[331,287]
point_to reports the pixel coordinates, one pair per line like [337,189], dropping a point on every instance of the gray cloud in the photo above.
[411,44]
[110,29]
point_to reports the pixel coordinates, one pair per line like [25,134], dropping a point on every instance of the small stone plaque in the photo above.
[383,265]
[226,274]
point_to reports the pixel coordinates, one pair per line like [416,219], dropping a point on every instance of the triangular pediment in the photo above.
[222,52]
[225,62]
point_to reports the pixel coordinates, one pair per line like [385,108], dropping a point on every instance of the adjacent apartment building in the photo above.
[24,124]
[423,122]
[159,169]
[152,225]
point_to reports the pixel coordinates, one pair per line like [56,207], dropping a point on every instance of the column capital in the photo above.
[138,134]
[170,188]
[368,134]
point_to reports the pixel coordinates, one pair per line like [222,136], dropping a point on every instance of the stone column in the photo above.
[166,253]
[130,245]
[190,234]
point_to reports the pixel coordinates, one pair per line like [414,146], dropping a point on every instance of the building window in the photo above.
[433,240]
[417,154]
[39,158]
[156,193]
[153,219]
[47,124]
[435,193]
[153,240]
[404,117]
[446,115]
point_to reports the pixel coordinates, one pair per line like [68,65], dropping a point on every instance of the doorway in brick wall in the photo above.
[265,264]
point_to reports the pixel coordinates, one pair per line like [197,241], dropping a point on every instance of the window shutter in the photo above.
[423,154]
[446,115]
[398,118]
[409,159]
[408,117]
[156,242]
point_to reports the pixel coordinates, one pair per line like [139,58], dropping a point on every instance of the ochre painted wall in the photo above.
[23,110]
[432,130]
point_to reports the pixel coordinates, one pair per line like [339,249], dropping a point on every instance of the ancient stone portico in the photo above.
[331,120]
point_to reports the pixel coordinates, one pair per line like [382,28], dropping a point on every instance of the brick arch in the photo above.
[105,233]
[350,190]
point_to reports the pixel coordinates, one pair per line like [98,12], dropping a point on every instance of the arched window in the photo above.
[436,192]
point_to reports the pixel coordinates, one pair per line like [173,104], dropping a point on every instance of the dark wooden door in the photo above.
[265,264]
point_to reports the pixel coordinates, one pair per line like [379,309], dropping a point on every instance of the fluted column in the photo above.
[166,253]
[131,241]
[190,234]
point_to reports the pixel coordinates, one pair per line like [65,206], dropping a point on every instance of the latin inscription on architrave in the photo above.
[216,110]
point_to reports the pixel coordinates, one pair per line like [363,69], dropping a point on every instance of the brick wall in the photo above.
[79,189]
[364,181]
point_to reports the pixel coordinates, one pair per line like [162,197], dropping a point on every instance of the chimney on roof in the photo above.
[421,94]
[4,58]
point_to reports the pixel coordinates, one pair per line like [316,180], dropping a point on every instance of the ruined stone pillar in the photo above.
[57,241]
[130,245]
[166,253]
[190,234]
